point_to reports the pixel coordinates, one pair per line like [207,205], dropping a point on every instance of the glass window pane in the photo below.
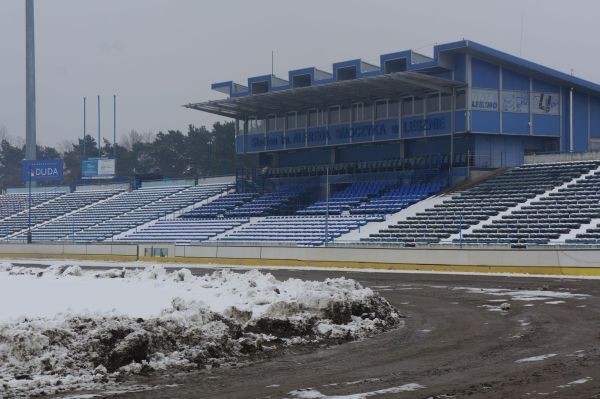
[301,120]
[433,103]
[367,112]
[290,121]
[393,108]
[381,110]
[313,118]
[407,104]
[418,105]
[271,123]
[334,115]
[446,102]
[260,125]
[345,115]
[461,99]
[357,113]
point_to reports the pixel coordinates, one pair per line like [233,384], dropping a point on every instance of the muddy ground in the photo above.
[455,344]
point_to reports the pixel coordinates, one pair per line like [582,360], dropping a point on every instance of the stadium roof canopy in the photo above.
[343,92]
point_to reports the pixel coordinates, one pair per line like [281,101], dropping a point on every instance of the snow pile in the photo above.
[68,328]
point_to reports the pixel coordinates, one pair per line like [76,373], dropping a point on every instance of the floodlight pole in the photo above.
[30,128]
[326,205]
[84,130]
[114,126]
[29,240]
[99,148]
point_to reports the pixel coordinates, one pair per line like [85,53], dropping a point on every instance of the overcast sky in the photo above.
[156,55]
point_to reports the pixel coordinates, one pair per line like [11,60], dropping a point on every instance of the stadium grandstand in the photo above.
[472,146]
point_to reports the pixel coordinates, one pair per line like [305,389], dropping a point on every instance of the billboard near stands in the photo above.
[43,170]
[98,168]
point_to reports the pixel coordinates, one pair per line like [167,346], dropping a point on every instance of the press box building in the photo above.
[468,106]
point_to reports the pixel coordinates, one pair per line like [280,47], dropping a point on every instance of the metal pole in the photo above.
[468,163]
[99,152]
[30,144]
[29,240]
[114,126]
[461,227]
[326,205]
[84,130]
[571,120]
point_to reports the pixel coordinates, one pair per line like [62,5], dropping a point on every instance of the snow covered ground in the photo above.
[66,328]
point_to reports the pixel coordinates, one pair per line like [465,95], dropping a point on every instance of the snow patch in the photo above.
[523,295]
[311,393]
[536,358]
[67,327]
[576,382]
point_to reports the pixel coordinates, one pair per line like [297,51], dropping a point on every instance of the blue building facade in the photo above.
[469,102]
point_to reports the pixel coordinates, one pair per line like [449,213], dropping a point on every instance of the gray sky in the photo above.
[159,54]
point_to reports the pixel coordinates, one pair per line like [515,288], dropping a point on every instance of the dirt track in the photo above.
[450,345]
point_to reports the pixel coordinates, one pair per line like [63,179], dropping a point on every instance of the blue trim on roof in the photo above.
[415,62]
[532,66]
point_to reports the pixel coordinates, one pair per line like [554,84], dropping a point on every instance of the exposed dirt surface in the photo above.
[456,343]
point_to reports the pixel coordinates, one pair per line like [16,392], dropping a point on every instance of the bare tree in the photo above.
[64,146]
[129,140]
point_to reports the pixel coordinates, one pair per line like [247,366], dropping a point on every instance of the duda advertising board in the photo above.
[46,170]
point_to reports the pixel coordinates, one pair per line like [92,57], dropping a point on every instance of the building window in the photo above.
[381,109]
[407,106]
[433,103]
[461,99]
[367,112]
[357,112]
[290,120]
[345,115]
[256,125]
[271,123]
[418,107]
[334,115]
[446,102]
[393,108]
[301,120]
[313,118]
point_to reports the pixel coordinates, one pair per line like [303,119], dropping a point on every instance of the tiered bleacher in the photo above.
[479,203]
[11,204]
[156,202]
[302,230]
[121,212]
[548,217]
[182,231]
[220,206]
[536,204]
[235,209]
[397,199]
[350,197]
[49,210]
[279,202]
[590,237]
